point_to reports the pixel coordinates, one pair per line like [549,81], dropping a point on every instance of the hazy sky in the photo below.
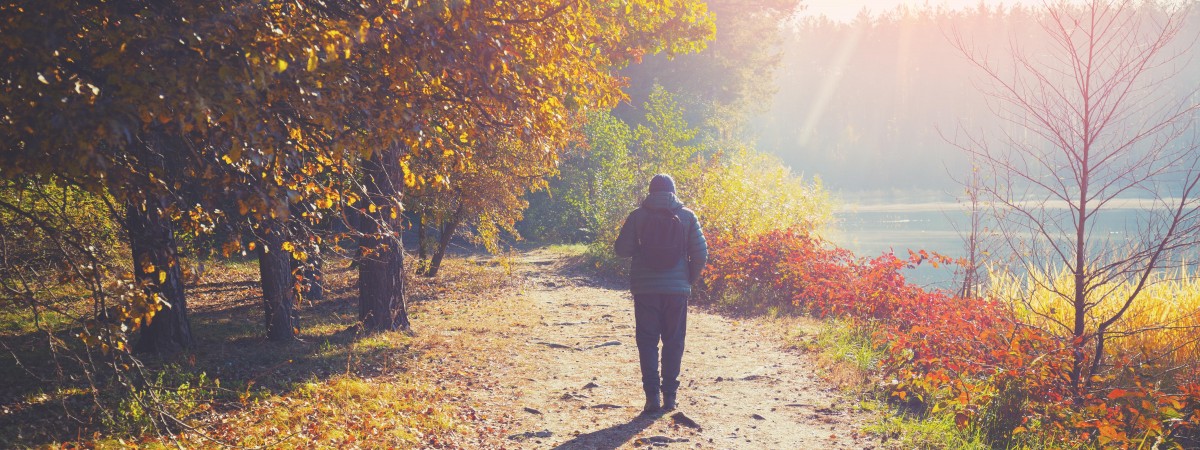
[846,9]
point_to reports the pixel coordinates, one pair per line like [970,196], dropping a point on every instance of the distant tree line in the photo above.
[863,103]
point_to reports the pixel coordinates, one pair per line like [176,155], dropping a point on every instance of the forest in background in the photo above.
[865,104]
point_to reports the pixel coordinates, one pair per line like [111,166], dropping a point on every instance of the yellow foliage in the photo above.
[1161,326]
[747,193]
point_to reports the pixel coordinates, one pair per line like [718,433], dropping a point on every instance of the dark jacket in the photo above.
[678,279]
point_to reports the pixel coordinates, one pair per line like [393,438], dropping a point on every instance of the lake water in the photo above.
[870,224]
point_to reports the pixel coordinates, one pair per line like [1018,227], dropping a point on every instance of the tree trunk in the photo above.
[278,282]
[381,254]
[422,246]
[971,281]
[1080,270]
[381,285]
[444,242]
[156,265]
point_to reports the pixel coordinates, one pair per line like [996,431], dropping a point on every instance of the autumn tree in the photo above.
[177,111]
[485,200]
[438,77]
[1093,126]
[247,104]
[77,105]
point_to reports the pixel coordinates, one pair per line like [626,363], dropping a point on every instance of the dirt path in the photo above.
[576,384]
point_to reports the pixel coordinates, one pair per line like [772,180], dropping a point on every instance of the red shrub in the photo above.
[969,356]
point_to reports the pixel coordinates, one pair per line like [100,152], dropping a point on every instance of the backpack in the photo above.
[662,239]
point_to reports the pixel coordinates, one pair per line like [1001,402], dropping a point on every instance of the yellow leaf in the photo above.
[372,208]
[162,276]
[281,65]
[235,152]
[362,31]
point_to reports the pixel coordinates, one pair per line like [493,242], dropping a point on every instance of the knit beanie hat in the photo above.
[662,183]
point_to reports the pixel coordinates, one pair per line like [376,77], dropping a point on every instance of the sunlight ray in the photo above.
[829,86]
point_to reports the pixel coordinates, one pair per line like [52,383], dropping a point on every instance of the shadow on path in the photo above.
[610,438]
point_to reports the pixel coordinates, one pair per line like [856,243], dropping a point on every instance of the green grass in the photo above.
[934,433]
[18,320]
[849,343]
[844,352]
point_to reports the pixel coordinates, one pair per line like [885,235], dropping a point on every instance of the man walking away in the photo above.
[669,252]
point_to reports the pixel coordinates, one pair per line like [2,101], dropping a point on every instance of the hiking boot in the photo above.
[668,401]
[652,406]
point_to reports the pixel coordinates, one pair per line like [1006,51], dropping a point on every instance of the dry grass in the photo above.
[1160,329]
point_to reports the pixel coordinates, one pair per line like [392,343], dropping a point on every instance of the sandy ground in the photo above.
[573,382]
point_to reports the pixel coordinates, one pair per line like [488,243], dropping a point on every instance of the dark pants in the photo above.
[660,316]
